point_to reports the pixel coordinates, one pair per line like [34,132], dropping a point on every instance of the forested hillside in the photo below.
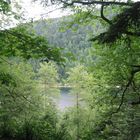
[73,38]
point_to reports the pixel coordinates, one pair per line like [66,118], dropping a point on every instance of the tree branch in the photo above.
[6,61]
[132,33]
[97,2]
[134,71]
[123,94]
[102,15]
[136,102]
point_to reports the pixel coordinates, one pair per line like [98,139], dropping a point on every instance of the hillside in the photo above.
[73,40]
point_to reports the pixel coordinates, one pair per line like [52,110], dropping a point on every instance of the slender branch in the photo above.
[101,36]
[6,61]
[134,71]
[17,35]
[97,2]
[116,94]
[103,17]
[132,33]
[135,66]
[12,93]
[123,94]
[44,14]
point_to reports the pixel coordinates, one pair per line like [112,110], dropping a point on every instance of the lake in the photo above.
[66,99]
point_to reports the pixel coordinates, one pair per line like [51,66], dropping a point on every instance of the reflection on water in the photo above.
[66,99]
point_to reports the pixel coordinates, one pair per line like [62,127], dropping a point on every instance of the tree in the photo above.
[80,81]
[113,97]
[20,98]
[21,40]
[48,81]
[22,112]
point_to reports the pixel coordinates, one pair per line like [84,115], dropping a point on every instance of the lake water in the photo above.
[66,99]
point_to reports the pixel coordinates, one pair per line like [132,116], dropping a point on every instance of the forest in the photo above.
[76,77]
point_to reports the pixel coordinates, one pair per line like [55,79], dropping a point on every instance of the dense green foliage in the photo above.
[104,78]
[22,112]
[19,42]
